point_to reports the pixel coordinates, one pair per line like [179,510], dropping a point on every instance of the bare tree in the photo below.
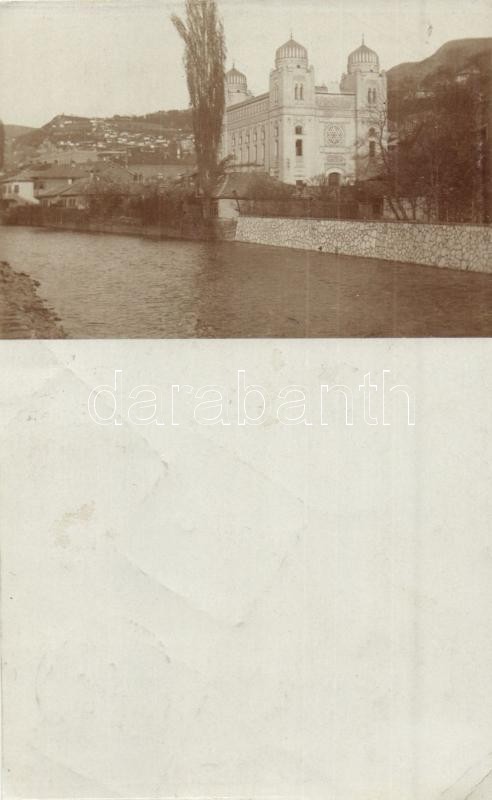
[204,61]
[386,161]
[434,161]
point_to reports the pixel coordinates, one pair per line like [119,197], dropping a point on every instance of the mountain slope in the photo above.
[13,131]
[453,56]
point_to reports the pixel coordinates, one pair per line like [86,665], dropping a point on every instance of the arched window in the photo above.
[255,136]
[334,179]
[275,131]
[263,134]
[298,148]
[301,92]
[298,130]
[262,153]
[256,153]
[372,149]
[275,93]
[276,148]
[296,92]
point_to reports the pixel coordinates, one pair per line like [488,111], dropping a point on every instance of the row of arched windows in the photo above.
[245,149]
[298,92]
[247,137]
[249,154]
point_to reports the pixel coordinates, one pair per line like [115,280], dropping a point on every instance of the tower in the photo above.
[292,113]
[365,79]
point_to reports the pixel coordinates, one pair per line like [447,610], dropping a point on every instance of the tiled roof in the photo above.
[241,184]
[59,171]
[93,185]
[25,175]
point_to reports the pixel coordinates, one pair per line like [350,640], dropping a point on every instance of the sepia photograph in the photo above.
[246,358]
[245,169]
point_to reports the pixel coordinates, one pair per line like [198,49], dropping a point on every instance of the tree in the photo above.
[436,162]
[204,61]
[391,162]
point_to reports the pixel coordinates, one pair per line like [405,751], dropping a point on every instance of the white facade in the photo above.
[297,130]
[18,188]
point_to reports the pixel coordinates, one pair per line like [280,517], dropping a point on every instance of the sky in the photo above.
[105,57]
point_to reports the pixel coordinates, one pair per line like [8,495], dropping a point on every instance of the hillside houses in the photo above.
[69,139]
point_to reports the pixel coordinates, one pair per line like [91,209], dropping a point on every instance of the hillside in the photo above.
[453,56]
[159,137]
[412,86]
[85,131]
[13,131]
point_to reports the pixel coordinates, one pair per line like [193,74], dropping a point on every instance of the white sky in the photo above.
[104,57]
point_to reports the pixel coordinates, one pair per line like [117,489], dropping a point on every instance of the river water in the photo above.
[127,287]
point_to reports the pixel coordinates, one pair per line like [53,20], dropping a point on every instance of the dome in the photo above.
[234,77]
[292,51]
[363,59]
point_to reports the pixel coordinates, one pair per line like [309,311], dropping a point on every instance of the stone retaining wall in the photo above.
[467,247]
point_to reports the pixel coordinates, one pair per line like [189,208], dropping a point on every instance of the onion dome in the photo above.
[363,59]
[291,51]
[236,78]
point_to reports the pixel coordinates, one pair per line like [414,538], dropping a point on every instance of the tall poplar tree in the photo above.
[204,61]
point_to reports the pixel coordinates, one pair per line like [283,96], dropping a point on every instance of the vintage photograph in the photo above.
[218,169]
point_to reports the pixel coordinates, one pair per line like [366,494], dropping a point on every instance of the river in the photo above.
[108,286]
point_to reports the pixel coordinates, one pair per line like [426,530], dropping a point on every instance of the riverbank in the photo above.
[187,229]
[463,247]
[23,315]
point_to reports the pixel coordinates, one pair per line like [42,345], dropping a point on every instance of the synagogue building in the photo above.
[299,130]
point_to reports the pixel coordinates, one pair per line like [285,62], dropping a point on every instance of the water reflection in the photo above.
[117,286]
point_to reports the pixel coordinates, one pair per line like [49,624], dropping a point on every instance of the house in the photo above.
[56,177]
[49,153]
[81,194]
[114,172]
[19,188]
[157,173]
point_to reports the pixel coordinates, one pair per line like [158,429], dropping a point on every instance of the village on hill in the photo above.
[71,159]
